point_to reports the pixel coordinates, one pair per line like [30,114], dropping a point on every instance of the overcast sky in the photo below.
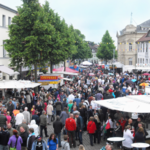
[94,17]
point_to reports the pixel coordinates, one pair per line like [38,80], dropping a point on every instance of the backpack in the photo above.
[63,147]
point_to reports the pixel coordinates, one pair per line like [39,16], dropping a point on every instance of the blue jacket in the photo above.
[35,144]
[77,100]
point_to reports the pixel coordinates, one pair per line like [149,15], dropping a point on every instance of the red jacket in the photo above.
[70,124]
[122,124]
[91,127]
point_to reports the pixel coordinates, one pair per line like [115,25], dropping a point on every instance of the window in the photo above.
[140,60]
[9,20]
[4,51]
[130,61]
[138,47]
[143,46]
[146,61]
[130,46]
[146,47]
[143,60]
[3,21]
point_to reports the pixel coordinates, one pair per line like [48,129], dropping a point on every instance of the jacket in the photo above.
[139,137]
[24,126]
[128,138]
[35,127]
[57,125]
[79,123]
[12,142]
[10,108]
[49,109]
[65,145]
[118,131]
[24,137]
[91,127]
[10,131]
[70,124]
[28,98]
[3,120]
[43,120]
[30,141]
[35,144]
[58,106]
[63,117]
[4,136]
[26,116]
[77,100]
[36,118]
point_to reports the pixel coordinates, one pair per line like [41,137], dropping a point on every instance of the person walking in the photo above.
[65,144]
[30,138]
[71,128]
[4,138]
[26,115]
[57,125]
[39,144]
[3,119]
[43,124]
[79,129]
[52,143]
[58,106]
[91,128]
[49,112]
[35,127]
[15,141]
[24,136]
[19,118]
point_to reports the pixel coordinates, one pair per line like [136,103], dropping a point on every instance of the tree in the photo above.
[62,42]
[105,49]
[83,49]
[29,36]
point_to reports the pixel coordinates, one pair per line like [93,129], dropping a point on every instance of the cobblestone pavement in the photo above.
[86,141]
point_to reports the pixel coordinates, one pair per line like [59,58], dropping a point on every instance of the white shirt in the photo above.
[128,138]
[71,97]
[19,118]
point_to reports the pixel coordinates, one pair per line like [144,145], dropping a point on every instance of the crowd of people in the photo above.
[70,110]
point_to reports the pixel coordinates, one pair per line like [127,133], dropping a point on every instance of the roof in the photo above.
[145,37]
[7,8]
[145,24]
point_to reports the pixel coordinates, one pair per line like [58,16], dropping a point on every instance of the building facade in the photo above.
[6,15]
[143,53]
[94,58]
[126,44]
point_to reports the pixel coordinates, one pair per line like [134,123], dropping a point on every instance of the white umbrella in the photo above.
[10,84]
[135,103]
[86,63]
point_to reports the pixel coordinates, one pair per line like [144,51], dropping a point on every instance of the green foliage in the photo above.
[105,49]
[83,49]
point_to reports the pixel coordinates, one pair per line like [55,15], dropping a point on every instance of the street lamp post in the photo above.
[113,60]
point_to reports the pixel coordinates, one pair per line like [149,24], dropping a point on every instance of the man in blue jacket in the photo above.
[79,123]
[77,100]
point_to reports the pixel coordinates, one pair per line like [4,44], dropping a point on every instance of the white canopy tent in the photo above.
[133,103]
[8,71]
[17,84]
[87,63]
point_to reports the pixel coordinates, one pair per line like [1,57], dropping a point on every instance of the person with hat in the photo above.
[4,138]
[39,144]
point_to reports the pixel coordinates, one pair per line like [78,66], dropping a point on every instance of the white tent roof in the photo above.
[10,84]
[133,103]
[86,63]
[8,70]
[68,73]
